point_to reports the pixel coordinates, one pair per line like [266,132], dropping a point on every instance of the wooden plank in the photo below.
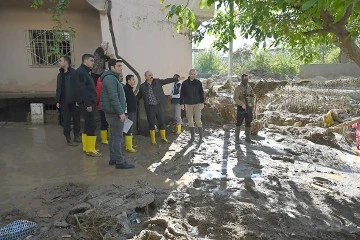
[344,124]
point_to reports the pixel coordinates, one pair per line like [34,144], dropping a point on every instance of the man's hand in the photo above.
[182,78]
[201,106]
[76,104]
[182,107]
[89,109]
[57,105]
[122,117]
[243,106]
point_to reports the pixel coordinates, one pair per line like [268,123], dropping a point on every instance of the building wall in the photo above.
[329,71]
[146,40]
[16,75]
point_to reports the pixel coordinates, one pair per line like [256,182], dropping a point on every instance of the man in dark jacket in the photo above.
[192,100]
[131,111]
[67,99]
[88,91]
[154,100]
[113,103]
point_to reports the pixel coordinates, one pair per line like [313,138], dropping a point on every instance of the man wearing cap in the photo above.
[244,99]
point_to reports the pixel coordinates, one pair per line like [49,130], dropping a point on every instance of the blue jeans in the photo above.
[116,138]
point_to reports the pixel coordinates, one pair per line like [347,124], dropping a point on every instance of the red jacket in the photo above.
[98,92]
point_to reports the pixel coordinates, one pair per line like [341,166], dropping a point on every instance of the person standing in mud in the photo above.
[88,91]
[67,99]
[154,100]
[192,101]
[101,56]
[243,97]
[113,103]
[131,111]
[175,104]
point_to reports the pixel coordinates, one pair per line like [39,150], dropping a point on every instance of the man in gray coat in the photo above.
[113,103]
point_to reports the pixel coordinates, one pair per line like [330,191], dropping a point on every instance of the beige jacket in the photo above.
[244,95]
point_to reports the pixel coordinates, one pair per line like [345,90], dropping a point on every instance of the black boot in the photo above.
[192,133]
[247,135]
[124,165]
[77,138]
[237,135]
[70,142]
[200,133]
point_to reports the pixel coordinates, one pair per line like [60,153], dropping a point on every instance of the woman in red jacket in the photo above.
[103,123]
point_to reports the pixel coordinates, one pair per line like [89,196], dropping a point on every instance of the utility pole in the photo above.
[230,58]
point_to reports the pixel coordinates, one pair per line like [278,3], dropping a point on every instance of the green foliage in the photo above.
[209,61]
[300,25]
[277,63]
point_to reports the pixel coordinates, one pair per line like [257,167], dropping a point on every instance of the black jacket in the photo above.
[87,86]
[157,88]
[67,87]
[130,98]
[192,92]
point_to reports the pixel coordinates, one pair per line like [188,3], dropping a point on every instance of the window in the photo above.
[44,47]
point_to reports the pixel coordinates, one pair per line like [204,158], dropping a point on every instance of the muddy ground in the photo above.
[297,181]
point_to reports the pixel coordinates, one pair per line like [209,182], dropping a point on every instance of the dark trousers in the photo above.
[103,123]
[116,137]
[89,117]
[242,114]
[68,112]
[155,112]
[132,117]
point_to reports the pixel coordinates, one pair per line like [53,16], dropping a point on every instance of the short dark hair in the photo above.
[112,62]
[176,75]
[86,56]
[67,59]
[128,77]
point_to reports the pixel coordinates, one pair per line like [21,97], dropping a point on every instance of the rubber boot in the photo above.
[152,136]
[104,136]
[237,135]
[83,140]
[200,133]
[90,147]
[247,135]
[128,144]
[163,135]
[178,129]
[192,134]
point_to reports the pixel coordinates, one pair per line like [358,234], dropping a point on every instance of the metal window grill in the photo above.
[44,47]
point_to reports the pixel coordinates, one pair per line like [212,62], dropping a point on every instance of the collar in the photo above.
[129,86]
[86,68]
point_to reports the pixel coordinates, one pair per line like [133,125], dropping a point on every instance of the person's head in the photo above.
[192,74]
[130,79]
[244,79]
[149,76]
[104,45]
[115,65]
[176,76]
[88,60]
[64,62]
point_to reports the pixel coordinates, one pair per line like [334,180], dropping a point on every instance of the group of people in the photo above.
[90,87]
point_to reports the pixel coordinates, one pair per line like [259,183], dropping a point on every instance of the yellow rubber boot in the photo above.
[104,136]
[152,136]
[90,147]
[163,135]
[178,129]
[128,144]
[83,141]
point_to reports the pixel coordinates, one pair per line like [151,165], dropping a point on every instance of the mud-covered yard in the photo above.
[297,181]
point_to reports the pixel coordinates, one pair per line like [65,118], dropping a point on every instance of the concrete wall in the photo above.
[329,70]
[146,40]
[16,74]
